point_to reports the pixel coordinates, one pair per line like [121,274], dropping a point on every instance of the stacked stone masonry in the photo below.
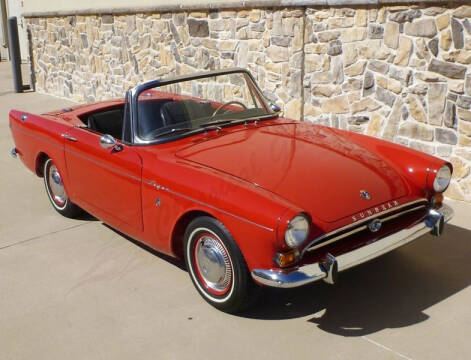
[402,73]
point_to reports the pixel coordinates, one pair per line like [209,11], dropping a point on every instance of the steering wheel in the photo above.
[225,104]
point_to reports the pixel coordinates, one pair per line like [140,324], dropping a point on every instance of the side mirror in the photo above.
[107,141]
[274,107]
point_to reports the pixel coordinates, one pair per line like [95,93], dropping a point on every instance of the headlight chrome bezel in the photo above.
[294,237]
[442,179]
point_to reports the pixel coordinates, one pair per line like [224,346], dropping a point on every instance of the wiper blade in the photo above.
[173,131]
[235,120]
[217,122]
[260,117]
[252,119]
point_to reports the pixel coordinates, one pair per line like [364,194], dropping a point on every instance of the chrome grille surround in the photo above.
[361,225]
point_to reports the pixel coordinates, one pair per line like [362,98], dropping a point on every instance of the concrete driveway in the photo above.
[76,289]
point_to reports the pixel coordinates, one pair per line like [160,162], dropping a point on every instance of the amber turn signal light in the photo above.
[286,259]
[437,199]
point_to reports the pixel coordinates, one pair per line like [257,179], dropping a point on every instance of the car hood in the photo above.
[313,167]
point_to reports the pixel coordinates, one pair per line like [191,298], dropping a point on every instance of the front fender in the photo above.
[250,213]
[418,168]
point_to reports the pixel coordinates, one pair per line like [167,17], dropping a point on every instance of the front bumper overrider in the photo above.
[328,270]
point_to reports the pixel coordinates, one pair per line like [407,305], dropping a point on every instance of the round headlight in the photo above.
[297,231]
[442,179]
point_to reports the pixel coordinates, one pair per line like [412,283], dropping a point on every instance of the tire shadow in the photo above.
[388,292]
[84,216]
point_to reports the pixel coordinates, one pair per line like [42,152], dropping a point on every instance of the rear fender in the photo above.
[36,136]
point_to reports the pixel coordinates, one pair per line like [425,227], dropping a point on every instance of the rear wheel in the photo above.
[217,267]
[56,191]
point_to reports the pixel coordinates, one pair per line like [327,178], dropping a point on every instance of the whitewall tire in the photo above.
[216,266]
[56,191]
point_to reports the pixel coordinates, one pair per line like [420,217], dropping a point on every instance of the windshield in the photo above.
[198,104]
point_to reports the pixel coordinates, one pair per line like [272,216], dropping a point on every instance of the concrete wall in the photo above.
[16,8]
[34,6]
[3,51]
[402,73]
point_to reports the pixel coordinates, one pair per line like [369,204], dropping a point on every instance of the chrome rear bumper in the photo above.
[433,223]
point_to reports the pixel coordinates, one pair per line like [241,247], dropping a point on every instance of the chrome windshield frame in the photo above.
[132,97]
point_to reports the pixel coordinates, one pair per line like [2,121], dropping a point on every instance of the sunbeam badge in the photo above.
[375,225]
[365,195]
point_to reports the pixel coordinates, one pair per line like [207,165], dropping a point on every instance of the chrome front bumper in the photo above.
[328,270]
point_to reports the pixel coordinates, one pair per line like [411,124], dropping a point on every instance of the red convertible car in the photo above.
[204,168]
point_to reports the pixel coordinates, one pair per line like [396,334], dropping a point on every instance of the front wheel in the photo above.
[56,191]
[217,267]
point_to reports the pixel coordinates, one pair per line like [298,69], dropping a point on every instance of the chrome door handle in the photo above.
[68,137]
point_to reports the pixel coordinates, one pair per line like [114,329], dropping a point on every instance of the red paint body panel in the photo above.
[252,178]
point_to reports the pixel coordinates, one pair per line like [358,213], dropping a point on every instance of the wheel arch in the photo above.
[39,163]
[41,159]
[179,228]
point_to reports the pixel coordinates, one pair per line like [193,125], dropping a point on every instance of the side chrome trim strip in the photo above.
[353,225]
[105,166]
[153,184]
[37,137]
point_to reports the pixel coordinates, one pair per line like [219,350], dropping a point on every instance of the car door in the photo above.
[106,182]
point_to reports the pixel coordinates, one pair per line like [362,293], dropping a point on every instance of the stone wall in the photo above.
[89,58]
[402,73]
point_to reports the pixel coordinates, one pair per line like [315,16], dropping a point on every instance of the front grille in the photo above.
[400,215]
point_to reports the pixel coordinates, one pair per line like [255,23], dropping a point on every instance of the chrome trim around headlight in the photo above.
[308,227]
[435,185]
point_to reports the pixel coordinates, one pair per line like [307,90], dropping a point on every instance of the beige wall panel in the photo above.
[61,5]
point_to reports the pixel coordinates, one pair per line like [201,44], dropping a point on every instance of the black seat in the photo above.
[182,111]
[107,122]
[149,116]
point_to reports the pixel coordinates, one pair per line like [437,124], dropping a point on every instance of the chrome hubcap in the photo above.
[213,263]
[56,187]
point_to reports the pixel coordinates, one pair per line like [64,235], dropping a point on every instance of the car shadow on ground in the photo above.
[176,262]
[391,291]
[388,292]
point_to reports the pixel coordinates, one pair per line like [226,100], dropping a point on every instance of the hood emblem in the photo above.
[375,225]
[365,195]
